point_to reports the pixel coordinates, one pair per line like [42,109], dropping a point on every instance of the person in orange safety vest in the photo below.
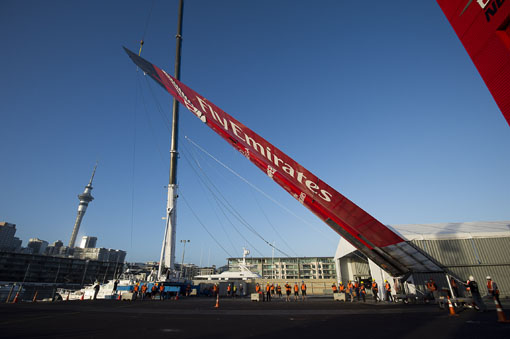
[387,288]
[350,290]
[303,290]
[135,290]
[161,292]
[433,293]
[492,289]
[375,290]
[154,291]
[288,289]
[341,287]
[362,291]
[144,291]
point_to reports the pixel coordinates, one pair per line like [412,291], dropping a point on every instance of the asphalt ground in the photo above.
[196,317]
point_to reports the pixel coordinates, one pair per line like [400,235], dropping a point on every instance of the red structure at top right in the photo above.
[483,27]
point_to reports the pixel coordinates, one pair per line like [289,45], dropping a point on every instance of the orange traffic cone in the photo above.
[67,298]
[501,315]
[35,297]
[82,296]
[120,296]
[217,301]
[15,298]
[177,296]
[452,310]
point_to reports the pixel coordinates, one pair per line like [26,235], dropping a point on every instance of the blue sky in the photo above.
[378,99]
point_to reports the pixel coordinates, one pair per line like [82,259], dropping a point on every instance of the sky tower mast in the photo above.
[85,198]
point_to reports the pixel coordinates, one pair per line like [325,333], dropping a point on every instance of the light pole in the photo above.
[182,262]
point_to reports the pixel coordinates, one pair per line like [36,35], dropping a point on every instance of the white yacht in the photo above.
[110,290]
[244,272]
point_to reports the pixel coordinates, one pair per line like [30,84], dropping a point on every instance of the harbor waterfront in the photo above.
[237,318]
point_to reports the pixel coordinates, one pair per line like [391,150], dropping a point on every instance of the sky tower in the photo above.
[85,198]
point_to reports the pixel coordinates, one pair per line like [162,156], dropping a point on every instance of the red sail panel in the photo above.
[346,218]
[483,27]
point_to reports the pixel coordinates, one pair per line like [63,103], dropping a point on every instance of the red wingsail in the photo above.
[483,27]
[375,240]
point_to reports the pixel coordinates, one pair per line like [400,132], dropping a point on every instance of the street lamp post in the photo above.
[182,262]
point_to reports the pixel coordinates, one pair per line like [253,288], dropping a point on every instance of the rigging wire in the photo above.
[237,215]
[214,210]
[133,165]
[203,226]
[223,228]
[146,27]
[256,188]
[222,201]
[196,154]
[158,105]
[218,202]
[138,90]
[147,116]
[272,226]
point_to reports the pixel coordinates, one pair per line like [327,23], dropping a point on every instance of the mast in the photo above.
[85,198]
[167,258]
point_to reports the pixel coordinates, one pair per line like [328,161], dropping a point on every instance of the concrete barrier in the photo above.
[339,296]
[127,296]
[255,297]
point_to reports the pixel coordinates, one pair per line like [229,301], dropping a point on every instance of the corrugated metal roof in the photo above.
[453,230]
[449,252]
[461,252]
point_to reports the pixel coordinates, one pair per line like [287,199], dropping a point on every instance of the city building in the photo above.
[88,242]
[37,246]
[188,271]
[55,248]
[8,242]
[206,270]
[290,268]
[100,254]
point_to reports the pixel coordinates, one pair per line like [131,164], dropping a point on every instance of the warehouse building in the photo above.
[480,249]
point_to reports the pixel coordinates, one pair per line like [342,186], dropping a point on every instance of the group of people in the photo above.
[471,286]
[142,291]
[270,290]
[353,290]
[232,290]
[357,290]
[97,287]
[492,291]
